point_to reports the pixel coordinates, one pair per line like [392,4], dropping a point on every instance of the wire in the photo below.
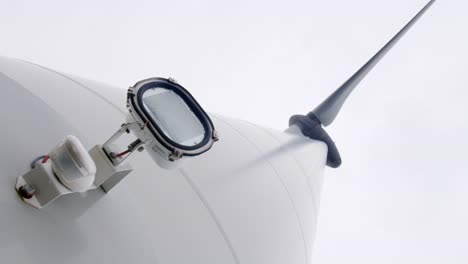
[45,159]
[33,163]
[123,153]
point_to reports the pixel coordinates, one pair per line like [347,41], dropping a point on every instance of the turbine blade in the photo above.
[327,111]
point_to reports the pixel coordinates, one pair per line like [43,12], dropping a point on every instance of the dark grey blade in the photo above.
[327,111]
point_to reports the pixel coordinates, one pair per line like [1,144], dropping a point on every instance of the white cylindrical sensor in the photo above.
[73,165]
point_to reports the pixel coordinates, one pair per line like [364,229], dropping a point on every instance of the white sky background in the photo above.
[401,194]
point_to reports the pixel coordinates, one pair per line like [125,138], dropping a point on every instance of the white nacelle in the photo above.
[252,198]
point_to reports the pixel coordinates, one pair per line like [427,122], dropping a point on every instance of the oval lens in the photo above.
[173,116]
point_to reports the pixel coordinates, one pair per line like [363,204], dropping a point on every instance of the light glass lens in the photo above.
[173,116]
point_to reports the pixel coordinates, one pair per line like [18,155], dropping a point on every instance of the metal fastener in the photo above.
[215,135]
[26,191]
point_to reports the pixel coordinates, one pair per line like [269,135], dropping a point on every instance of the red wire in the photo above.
[45,159]
[123,153]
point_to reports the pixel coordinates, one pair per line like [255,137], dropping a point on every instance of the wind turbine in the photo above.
[211,190]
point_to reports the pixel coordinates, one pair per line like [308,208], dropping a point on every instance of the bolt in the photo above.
[140,149]
[215,136]
[26,191]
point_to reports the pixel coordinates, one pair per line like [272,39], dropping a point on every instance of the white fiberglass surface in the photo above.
[303,189]
[173,116]
[261,197]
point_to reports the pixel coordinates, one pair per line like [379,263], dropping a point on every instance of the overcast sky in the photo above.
[401,194]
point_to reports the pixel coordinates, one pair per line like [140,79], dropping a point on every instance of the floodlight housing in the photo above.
[171,122]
